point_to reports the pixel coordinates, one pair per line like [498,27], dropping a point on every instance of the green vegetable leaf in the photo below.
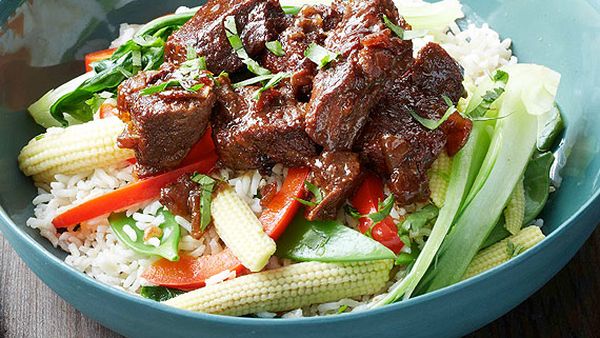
[159,87]
[319,55]
[550,127]
[328,241]
[500,76]
[291,10]
[275,47]
[399,31]
[236,43]
[208,185]
[159,293]
[124,228]
[434,124]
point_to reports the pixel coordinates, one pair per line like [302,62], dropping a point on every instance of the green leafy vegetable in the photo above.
[159,293]
[275,47]
[529,93]
[208,185]
[67,104]
[434,124]
[549,128]
[315,191]
[328,241]
[488,98]
[131,236]
[236,43]
[399,31]
[319,55]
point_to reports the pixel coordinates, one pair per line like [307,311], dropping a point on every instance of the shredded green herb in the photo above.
[399,31]
[352,212]
[319,55]
[273,82]
[383,210]
[490,96]
[159,293]
[208,185]
[236,43]
[434,124]
[513,250]
[275,47]
[315,191]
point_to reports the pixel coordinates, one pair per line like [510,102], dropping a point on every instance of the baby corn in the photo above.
[515,210]
[241,230]
[75,149]
[504,250]
[438,179]
[287,288]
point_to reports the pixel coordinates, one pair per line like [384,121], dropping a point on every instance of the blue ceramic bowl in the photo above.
[42,46]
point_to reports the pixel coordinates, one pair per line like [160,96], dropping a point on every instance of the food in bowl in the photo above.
[277,160]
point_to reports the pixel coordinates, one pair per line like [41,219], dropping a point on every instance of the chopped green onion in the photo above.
[319,55]
[275,47]
[159,87]
[500,76]
[196,87]
[399,31]
[208,185]
[315,191]
[253,80]
[273,82]
[190,52]
[342,309]
[291,10]
[434,124]
[236,43]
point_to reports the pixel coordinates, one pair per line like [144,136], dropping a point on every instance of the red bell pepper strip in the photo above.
[190,273]
[97,56]
[366,201]
[108,110]
[130,194]
[282,208]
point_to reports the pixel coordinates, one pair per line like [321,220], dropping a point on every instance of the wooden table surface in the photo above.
[568,306]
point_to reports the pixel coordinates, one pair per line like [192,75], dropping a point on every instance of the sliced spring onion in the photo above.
[315,191]
[208,185]
[236,43]
[319,55]
[399,31]
[275,47]
[434,124]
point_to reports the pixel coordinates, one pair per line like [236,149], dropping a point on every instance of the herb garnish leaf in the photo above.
[236,43]
[275,47]
[315,191]
[399,31]
[434,124]
[208,185]
[291,10]
[319,55]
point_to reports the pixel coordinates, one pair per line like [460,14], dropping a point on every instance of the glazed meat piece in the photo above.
[396,145]
[256,134]
[336,174]
[308,26]
[162,127]
[258,21]
[370,55]
[183,198]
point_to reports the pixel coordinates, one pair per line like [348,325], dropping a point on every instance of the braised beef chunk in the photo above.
[258,21]
[396,145]
[163,126]
[182,198]
[308,26]
[370,55]
[252,133]
[336,174]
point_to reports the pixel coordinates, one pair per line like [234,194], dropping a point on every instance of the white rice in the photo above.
[93,249]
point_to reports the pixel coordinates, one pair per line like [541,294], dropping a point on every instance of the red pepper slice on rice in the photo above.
[191,273]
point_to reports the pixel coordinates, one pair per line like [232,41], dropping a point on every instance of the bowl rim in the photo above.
[88,281]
